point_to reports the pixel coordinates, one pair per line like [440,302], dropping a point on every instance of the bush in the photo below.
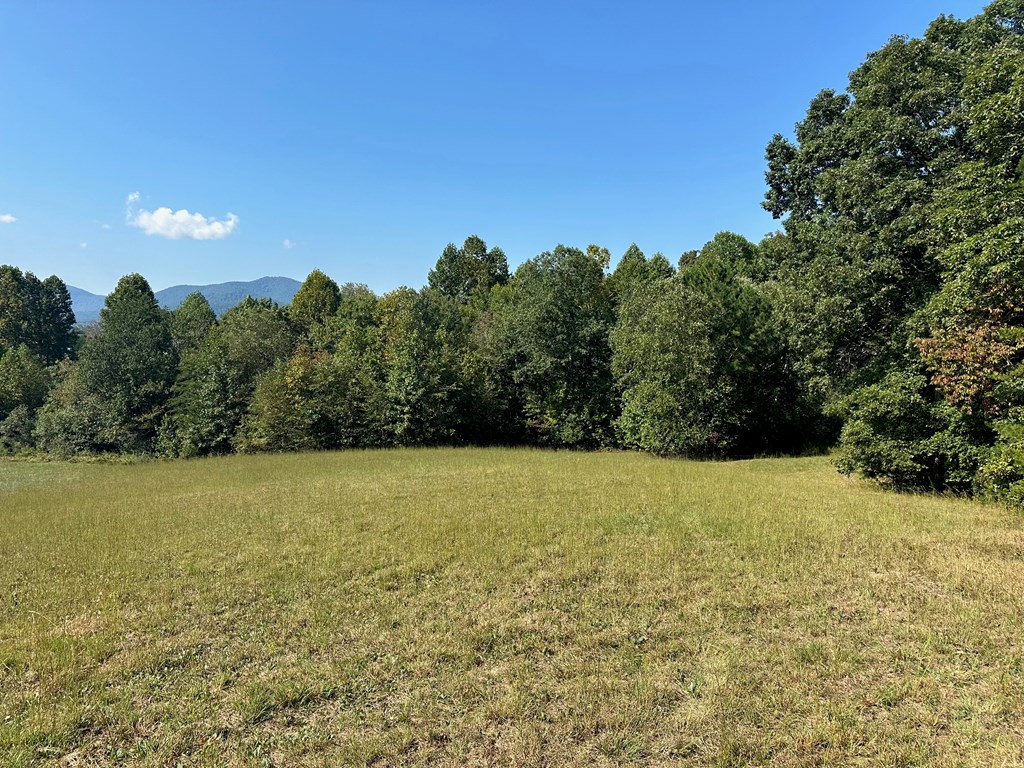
[898,432]
[1001,477]
[16,430]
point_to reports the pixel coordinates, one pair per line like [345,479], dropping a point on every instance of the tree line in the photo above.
[675,359]
[885,317]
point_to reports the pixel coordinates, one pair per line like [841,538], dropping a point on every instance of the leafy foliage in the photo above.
[24,385]
[701,363]
[115,399]
[316,300]
[557,322]
[421,338]
[899,432]
[36,314]
[905,231]
[215,384]
[24,380]
[316,401]
[471,270]
[190,323]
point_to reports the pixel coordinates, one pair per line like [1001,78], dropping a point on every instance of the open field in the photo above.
[502,607]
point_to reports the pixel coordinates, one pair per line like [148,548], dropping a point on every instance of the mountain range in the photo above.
[222,296]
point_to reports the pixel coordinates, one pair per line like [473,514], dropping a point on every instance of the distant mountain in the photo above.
[222,296]
[87,305]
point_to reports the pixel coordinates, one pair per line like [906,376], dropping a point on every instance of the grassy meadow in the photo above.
[502,607]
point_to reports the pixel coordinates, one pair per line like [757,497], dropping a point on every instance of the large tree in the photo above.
[701,365]
[901,268]
[318,400]
[190,323]
[317,300]
[423,338]
[635,270]
[462,273]
[556,323]
[116,398]
[36,313]
[24,383]
[854,189]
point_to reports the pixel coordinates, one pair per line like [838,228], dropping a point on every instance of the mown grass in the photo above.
[502,607]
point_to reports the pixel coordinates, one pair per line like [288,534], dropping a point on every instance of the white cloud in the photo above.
[83,245]
[288,245]
[6,218]
[178,224]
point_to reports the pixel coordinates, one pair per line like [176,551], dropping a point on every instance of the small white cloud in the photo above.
[105,226]
[6,218]
[288,245]
[178,224]
[83,245]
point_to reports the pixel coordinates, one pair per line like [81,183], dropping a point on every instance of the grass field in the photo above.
[502,607]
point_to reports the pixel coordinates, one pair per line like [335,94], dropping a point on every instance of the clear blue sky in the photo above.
[369,134]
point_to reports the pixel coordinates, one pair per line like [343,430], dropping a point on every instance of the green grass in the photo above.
[502,607]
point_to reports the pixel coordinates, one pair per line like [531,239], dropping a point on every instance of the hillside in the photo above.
[222,296]
[87,305]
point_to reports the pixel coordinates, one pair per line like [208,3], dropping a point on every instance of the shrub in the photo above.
[900,433]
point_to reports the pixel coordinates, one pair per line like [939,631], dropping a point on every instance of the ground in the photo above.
[502,607]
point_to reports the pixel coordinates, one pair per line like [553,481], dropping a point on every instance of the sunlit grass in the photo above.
[502,607]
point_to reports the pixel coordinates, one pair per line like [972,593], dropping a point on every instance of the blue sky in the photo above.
[361,137]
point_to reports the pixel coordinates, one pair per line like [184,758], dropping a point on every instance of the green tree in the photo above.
[317,300]
[57,333]
[422,339]
[672,399]
[331,392]
[129,366]
[969,221]
[899,432]
[74,419]
[744,257]
[35,313]
[357,304]
[24,384]
[854,190]
[635,270]
[702,367]
[24,380]
[318,400]
[461,273]
[215,385]
[14,309]
[556,324]
[190,323]
[356,314]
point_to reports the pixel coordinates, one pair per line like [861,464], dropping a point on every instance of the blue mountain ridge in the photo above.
[86,305]
[222,296]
